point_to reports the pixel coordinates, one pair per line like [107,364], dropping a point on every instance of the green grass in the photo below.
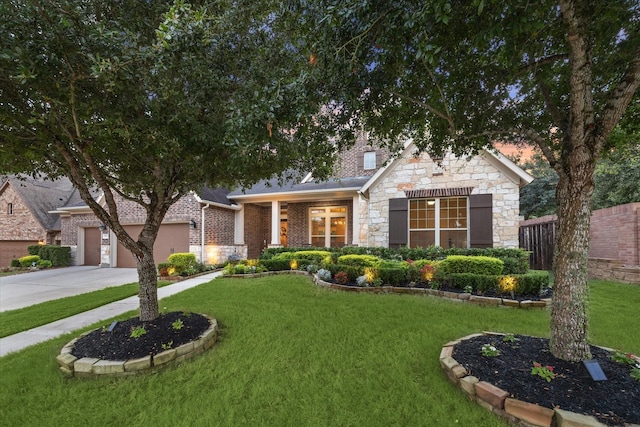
[292,354]
[22,319]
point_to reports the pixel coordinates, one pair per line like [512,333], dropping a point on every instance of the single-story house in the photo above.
[372,200]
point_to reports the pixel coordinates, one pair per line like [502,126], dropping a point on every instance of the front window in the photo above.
[328,226]
[439,222]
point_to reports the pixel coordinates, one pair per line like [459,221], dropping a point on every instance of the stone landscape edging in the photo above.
[92,367]
[474,299]
[463,297]
[498,401]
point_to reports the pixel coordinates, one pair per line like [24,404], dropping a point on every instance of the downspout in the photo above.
[202,209]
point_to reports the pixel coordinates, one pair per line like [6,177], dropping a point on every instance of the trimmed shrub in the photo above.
[43,263]
[314,257]
[359,260]
[182,261]
[275,264]
[478,282]
[352,272]
[470,264]
[393,276]
[60,256]
[286,256]
[515,265]
[15,262]
[34,249]
[531,283]
[28,260]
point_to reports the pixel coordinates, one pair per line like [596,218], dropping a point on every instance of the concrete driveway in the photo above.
[22,290]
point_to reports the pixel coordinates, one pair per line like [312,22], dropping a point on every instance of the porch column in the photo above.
[275,223]
[238,235]
[355,229]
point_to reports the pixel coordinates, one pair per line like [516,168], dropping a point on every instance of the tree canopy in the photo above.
[150,100]
[458,75]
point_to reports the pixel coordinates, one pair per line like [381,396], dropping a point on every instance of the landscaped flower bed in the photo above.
[495,273]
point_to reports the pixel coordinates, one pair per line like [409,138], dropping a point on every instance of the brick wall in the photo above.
[21,224]
[219,226]
[257,229]
[298,220]
[350,162]
[615,234]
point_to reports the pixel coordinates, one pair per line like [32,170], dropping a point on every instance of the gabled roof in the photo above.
[301,187]
[502,163]
[41,196]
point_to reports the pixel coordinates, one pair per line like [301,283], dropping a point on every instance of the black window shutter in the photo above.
[360,160]
[398,222]
[481,221]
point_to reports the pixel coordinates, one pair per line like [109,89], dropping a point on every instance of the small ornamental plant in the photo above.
[488,350]
[341,278]
[510,338]
[138,331]
[624,358]
[544,372]
[635,372]
[177,325]
[426,272]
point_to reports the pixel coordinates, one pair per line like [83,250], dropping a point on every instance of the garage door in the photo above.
[10,249]
[172,238]
[92,246]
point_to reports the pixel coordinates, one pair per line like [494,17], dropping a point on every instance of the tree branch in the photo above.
[426,107]
[619,99]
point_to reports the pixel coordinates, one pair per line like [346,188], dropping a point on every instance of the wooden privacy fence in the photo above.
[538,236]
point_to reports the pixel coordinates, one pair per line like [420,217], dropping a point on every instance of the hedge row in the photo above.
[516,261]
[531,283]
[60,256]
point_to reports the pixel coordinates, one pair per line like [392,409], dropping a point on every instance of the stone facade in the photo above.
[419,173]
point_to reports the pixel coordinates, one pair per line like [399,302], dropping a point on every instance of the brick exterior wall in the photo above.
[350,162]
[421,173]
[21,224]
[614,246]
[615,234]
[257,229]
[298,220]
[219,226]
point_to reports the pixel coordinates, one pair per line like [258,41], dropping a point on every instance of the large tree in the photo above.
[457,75]
[150,100]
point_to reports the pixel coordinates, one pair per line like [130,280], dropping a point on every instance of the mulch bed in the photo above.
[615,401]
[118,344]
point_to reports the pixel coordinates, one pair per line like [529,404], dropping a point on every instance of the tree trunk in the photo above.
[569,306]
[148,282]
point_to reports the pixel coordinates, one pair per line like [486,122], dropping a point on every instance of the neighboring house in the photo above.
[24,214]
[92,243]
[372,200]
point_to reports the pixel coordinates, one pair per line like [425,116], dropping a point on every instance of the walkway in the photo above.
[43,333]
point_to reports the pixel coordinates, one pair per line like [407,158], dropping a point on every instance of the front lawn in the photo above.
[292,354]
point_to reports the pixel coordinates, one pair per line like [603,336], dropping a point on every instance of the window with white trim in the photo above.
[439,221]
[369,160]
[328,226]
